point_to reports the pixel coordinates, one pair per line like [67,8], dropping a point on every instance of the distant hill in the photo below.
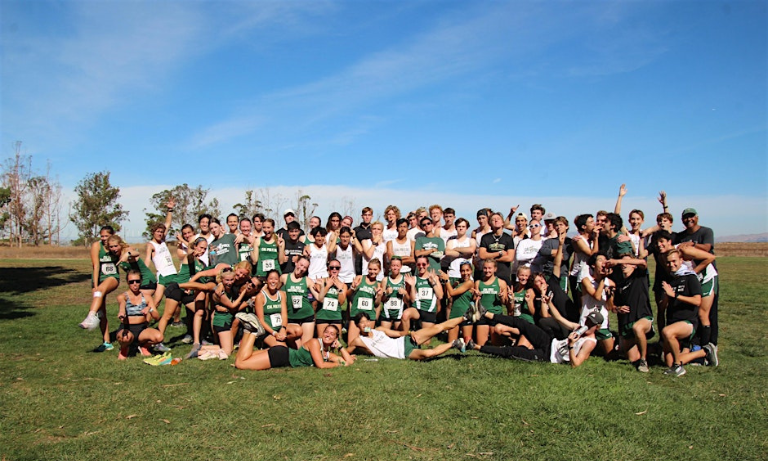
[746,238]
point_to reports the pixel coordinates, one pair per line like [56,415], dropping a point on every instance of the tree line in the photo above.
[31,205]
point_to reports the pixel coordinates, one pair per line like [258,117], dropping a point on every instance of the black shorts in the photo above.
[310,319]
[325,321]
[429,317]
[278,357]
[218,329]
[134,329]
[174,292]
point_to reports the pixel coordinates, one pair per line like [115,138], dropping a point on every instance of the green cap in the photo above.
[690,211]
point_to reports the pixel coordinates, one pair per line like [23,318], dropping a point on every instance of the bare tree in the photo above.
[272,204]
[16,175]
[304,208]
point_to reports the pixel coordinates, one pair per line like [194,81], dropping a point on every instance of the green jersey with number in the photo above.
[330,310]
[394,304]
[426,300]
[268,258]
[299,306]
[489,296]
[365,299]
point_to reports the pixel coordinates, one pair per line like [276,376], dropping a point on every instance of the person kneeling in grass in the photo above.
[394,344]
[315,352]
[683,295]
[535,345]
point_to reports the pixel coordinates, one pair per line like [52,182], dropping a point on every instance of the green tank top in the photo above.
[146,274]
[330,310]
[300,357]
[223,319]
[393,307]
[244,252]
[461,304]
[425,295]
[299,306]
[268,259]
[521,307]
[489,296]
[107,264]
[365,299]
[273,310]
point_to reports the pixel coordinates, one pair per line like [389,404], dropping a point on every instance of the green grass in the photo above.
[60,401]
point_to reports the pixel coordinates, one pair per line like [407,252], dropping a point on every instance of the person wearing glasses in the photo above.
[135,313]
[431,245]
[330,298]
[527,249]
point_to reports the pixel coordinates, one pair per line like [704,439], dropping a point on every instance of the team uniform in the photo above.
[378,253]
[281,356]
[163,261]
[393,306]
[222,250]
[427,243]
[403,250]
[134,310]
[222,321]
[346,258]
[632,291]
[679,311]
[426,300]
[385,347]
[299,307]
[107,265]
[330,311]
[147,277]
[521,307]
[318,259]
[364,299]
[268,258]
[461,304]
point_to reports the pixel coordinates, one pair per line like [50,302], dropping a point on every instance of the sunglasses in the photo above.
[533,226]
[131,282]
[335,268]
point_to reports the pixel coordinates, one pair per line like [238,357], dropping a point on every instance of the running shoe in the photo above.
[469,315]
[177,324]
[642,366]
[480,312]
[160,347]
[207,343]
[187,339]
[251,323]
[90,322]
[208,355]
[195,350]
[470,345]
[711,350]
[460,345]
[223,355]
[104,347]
[158,359]
[676,369]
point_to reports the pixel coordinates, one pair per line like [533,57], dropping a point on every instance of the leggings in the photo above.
[539,339]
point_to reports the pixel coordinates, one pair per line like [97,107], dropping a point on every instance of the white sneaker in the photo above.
[90,322]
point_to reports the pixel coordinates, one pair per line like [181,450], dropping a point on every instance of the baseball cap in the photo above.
[595,317]
[549,216]
[690,211]
[289,211]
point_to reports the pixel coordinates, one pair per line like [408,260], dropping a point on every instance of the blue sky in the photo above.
[467,104]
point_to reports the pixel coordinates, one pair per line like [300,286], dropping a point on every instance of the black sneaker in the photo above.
[711,351]
[471,345]
[480,311]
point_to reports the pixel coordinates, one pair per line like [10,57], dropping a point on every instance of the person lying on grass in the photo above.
[135,313]
[386,343]
[535,345]
[315,352]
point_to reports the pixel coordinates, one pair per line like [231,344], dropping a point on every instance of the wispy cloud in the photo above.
[225,131]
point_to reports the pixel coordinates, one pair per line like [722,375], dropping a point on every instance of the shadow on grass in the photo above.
[22,280]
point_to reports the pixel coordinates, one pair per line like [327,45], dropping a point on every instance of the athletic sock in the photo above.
[705,333]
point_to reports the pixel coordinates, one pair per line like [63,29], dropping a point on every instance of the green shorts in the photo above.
[603,334]
[709,288]
[164,280]
[628,333]
[409,345]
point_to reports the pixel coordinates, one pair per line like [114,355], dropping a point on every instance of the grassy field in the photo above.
[60,401]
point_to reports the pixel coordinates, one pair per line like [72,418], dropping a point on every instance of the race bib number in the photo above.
[109,269]
[268,264]
[244,256]
[330,304]
[276,320]
[365,304]
[168,260]
[394,304]
[296,301]
[425,293]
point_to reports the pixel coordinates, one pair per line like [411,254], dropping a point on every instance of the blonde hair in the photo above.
[244,265]
[116,238]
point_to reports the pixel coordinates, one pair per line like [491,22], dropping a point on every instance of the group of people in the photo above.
[515,285]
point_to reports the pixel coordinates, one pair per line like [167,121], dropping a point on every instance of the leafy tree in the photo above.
[190,203]
[96,206]
[250,206]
